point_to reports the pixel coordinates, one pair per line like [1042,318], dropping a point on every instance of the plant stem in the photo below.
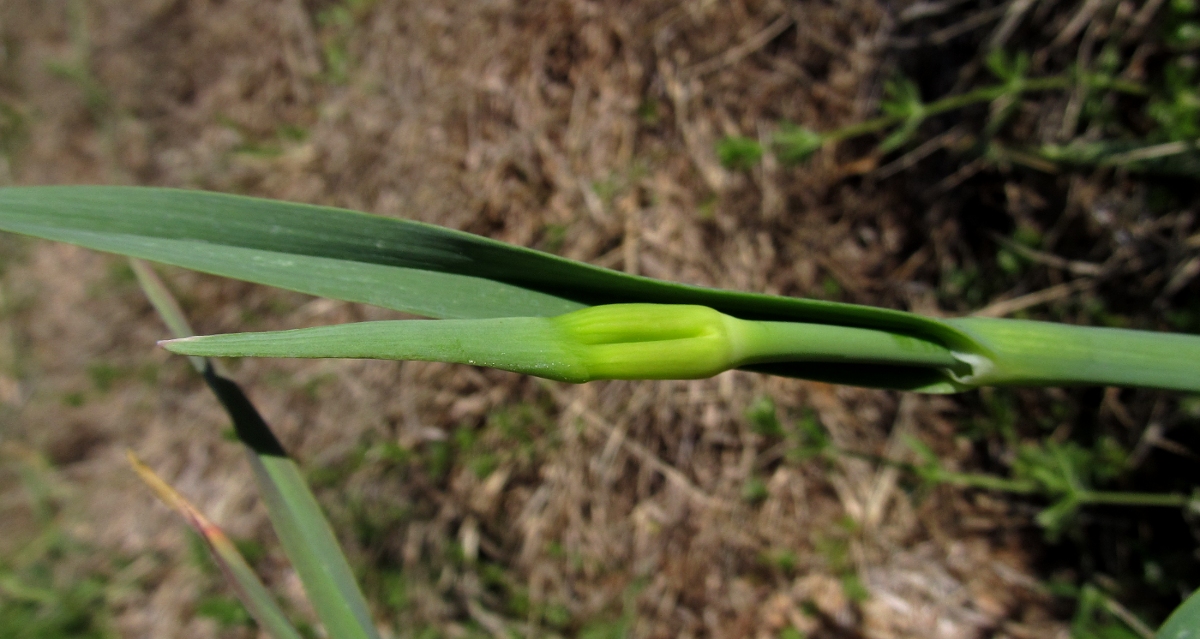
[986,482]
[1028,353]
[1170,500]
[986,94]
[793,341]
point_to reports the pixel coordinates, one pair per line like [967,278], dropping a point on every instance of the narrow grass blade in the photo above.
[164,303]
[666,341]
[306,536]
[1184,623]
[249,589]
[297,519]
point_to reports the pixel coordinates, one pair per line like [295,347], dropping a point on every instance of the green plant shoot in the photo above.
[666,341]
[613,341]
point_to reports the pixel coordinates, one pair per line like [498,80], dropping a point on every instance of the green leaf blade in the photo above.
[202,230]
[312,548]
[530,345]
[305,534]
[428,293]
[302,528]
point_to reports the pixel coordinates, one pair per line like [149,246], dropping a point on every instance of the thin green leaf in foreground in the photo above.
[306,535]
[249,589]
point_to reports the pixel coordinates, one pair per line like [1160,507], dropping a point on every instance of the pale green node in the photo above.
[666,341]
[652,341]
[615,341]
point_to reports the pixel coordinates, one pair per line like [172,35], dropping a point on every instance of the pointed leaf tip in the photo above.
[174,344]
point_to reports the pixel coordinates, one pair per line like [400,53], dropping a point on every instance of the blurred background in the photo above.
[668,139]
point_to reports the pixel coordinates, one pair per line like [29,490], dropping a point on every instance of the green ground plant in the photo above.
[43,592]
[1165,140]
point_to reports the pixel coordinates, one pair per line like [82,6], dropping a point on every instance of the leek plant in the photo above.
[520,310]
[678,341]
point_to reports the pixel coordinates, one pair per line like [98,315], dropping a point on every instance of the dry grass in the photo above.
[585,128]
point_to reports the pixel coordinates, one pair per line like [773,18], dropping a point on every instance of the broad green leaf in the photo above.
[422,268]
[249,589]
[413,267]
[422,292]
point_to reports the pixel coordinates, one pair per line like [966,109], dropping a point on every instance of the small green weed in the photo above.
[77,69]
[226,611]
[1097,616]
[553,237]
[13,128]
[258,145]
[834,548]
[782,559]
[739,153]
[764,418]
[649,112]
[754,490]
[808,439]
[52,586]
[337,24]
[104,375]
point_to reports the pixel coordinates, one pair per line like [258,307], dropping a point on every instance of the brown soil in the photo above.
[585,128]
